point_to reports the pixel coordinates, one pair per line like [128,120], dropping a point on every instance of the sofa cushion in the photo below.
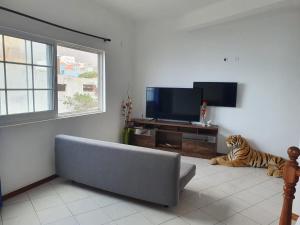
[187,172]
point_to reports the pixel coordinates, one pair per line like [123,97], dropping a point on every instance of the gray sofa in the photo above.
[141,173]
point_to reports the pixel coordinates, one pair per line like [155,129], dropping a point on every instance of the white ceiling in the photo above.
[154,9]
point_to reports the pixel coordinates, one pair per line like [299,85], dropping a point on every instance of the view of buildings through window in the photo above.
[78,80]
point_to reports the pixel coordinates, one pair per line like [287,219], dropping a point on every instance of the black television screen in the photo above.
[217,93]
[173,103]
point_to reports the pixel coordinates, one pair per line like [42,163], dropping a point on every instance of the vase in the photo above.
[126,135]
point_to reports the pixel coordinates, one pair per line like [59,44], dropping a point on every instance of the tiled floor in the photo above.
[217,195]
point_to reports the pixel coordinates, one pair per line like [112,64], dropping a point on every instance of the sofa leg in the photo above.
[166,206]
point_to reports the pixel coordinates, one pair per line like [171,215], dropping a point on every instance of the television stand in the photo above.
[181,137]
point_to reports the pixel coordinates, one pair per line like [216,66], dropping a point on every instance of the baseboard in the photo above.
[28,187]
[295,216]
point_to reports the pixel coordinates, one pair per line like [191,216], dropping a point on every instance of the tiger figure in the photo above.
[242,155]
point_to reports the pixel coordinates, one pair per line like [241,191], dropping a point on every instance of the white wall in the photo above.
[268,72]
[26,152]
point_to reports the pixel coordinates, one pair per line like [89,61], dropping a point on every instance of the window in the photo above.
[79,77]
[26,76]
[41,79]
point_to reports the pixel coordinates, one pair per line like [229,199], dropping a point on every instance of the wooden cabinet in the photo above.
[143,141]
[198,148]
[184,138]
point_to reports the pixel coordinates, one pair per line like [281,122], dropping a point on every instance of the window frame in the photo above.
[101,80]
[34,117]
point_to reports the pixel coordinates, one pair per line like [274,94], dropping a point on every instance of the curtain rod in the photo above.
[53,24]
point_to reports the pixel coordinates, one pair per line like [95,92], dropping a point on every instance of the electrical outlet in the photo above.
[235,59]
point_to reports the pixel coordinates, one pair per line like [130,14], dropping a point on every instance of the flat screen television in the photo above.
[173,103]
[218,93]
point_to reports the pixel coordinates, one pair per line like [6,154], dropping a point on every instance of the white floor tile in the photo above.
[201,199]
[158,215]
[61,185]
[110,223]
[230,188]
[198,185]
[103,200]
[137,219]
[66,221]
[234,203]
[239,220]
[199,218]
[203,162]
[277,222]
[271,207]
[273,186]
[17,199]
[119,210]
[219,210]
[46,202]
[82,206]
[215,193]
[260,215]
[177,221]
[72,195]
[277,199]
[53,214]
[96,217]
[42,191]
[248,197]
[262,191]
[17,210]
[138,206]
[184,206]
[30,219]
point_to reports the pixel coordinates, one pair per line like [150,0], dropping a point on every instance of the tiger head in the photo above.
[234,141]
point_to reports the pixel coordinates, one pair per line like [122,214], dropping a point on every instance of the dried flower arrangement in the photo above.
[127,110]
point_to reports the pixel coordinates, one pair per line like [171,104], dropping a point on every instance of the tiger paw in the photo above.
[213,161]
[270,172]
[278,173]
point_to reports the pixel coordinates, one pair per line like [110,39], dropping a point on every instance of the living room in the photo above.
[142,44]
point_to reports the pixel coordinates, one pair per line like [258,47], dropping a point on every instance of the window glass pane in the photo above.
[42,77]
[2,79]
[26,67]
[2,103]
[43,100]
[41,54]
[1,48]
[19,102]
[18,76]
[78,74]
[17,50]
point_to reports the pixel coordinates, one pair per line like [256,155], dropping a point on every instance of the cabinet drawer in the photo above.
[143,141]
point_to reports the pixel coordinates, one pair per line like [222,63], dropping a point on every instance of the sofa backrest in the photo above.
[142,173]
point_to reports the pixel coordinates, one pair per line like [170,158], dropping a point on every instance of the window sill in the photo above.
[72,115]
[58,117]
